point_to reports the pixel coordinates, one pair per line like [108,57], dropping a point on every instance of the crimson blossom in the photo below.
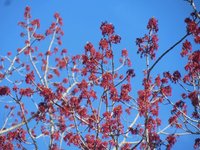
[86,100]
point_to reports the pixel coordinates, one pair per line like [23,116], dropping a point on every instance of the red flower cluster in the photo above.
[148,44]
[109,54]
[46,93]
[158,81]
[130,72]
[176,76]
[173,77]
[197,143]
[64,51]
[117,111]
[74,102]
[56,28]
[193,27]
[71,138]
[38,36]
[60,89]
[151,124]
[167,90]
[26,92]
[173,120]
[124,53]
[103,44]
[171,139]
[93,143]
[125,89]
[193,65]
[4,90]
[185,48]
[1,76]
[83,85]
[42,107]
[62,63]
[126,146]
[58,17]
[30,77]
[154,140]
[143,101]
[107,29]
[36,23]
[153,24]
[193,96]
[27,12]
[6,144]
[112,126]
[19,134]
[107,80]
[56,72]
[90,48]
[179,105]
[115,39]
[113,94]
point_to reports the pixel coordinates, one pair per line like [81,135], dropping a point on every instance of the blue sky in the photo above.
[82,20]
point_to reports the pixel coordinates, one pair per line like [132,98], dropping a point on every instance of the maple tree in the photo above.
[86,100]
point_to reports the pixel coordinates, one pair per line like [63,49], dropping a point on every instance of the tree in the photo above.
[86,100]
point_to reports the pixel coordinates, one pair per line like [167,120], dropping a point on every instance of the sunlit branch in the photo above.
[163,130]
[78,132]
[47,55]
[187,130]
[62,136]
[18,125]
[27,126]
[18,69]
[6,120]
[192,3]
[36,70]
[130,126]
[8,71]
[176,134]
[189,118]
[187,90]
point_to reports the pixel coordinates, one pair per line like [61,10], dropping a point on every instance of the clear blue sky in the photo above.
[82,20]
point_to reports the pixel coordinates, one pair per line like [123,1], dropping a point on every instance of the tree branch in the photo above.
[167,51]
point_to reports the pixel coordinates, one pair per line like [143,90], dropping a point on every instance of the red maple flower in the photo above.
[46,92]
[30,77]
[194,98]
[27,12]
[117,111]
[153,24]
[103,43]
[167,91]
[192,26]
[124,53]
[26,92]
[36,22]
[83,85]
[186,48]
[197,143]
[171,139]
[115,39]
[107,28]
[176,76]
[4,90]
